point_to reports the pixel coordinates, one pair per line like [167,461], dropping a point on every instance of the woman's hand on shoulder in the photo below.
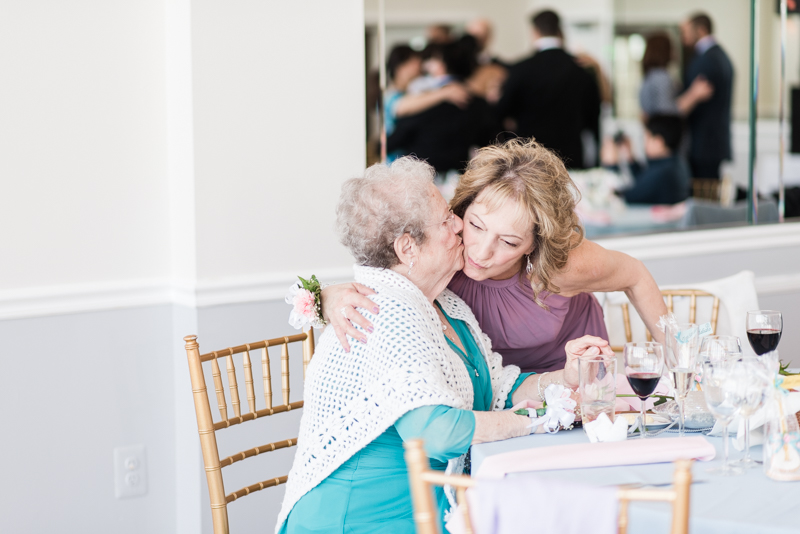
[583,346]
[339,303]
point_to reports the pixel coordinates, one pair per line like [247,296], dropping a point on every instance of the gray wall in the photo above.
[73,388]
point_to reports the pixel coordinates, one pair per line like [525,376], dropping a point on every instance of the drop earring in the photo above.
[411,266]
[529,267]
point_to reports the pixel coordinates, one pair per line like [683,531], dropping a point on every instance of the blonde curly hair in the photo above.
[524,171]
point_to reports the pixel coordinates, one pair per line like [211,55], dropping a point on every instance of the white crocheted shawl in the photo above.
[352,398]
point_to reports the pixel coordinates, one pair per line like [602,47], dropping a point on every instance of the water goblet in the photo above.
[764,328]
[752,381]
[721,391]
[644,363]
[683,344]
[714,348]
[597,386]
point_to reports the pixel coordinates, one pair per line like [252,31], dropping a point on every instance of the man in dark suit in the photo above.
[552,98]
[710,120]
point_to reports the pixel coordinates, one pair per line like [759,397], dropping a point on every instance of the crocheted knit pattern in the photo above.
[352,398]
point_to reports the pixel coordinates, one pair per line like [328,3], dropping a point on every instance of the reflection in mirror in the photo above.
[650,116]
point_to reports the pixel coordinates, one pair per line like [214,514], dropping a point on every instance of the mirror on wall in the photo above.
[649,147]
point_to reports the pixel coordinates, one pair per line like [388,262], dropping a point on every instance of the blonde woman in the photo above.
[528,273]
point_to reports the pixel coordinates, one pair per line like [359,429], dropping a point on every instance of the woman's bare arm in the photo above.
[592,268]
[495,426]
[454,93]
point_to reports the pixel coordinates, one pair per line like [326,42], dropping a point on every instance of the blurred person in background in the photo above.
[658,94]
[491,73]
[481,30]
[665,178]
[709,120]
[550,97]
[403,67]
[439,34]
[444,133]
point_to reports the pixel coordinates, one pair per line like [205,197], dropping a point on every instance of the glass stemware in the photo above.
[683,344]
[644,364]
[722,393]
[752,382]
[764,328]
[715,348]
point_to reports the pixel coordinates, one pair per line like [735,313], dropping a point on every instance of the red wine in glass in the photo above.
[764,340]
[643,384]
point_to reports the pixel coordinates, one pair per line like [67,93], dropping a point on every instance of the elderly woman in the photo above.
[528,272]
[427,372]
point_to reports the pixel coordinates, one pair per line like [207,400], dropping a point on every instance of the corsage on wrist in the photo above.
[558,412]
[304,297]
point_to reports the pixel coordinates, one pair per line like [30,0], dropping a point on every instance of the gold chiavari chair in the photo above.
[422,479]
[206,426]
[669,295]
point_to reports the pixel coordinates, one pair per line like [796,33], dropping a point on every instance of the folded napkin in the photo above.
[528,504]
[602,429]
[632,404]
[580,455]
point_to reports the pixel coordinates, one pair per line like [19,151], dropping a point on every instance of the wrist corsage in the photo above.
[304,297]
[558,412]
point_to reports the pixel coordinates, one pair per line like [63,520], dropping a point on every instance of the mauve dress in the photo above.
[524,333]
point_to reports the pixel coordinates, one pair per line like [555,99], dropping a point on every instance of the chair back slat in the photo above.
[669,297]
[206,426]
[248,380]
[255,451]
[215,372]
[234,387]
[285,371]
[267,374]
[626,319]
[208,440]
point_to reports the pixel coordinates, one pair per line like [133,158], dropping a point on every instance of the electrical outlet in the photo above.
[130,471]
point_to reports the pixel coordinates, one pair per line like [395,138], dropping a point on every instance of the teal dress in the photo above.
[369,493]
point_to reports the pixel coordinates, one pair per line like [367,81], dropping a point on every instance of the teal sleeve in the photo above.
[520,379]
[447,432]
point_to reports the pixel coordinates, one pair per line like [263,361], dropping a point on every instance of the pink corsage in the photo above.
[304,297]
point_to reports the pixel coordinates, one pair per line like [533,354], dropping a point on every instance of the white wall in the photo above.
[278,127]
[82,152]
[152,153]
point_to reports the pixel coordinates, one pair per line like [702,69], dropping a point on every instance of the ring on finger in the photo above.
[344,311]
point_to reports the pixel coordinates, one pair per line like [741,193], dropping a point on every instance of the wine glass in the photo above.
[764,329]
[683,344]
[715,348]
[752,380]
[722,394]
[644,363]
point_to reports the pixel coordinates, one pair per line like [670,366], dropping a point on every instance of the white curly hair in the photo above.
[387,202]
